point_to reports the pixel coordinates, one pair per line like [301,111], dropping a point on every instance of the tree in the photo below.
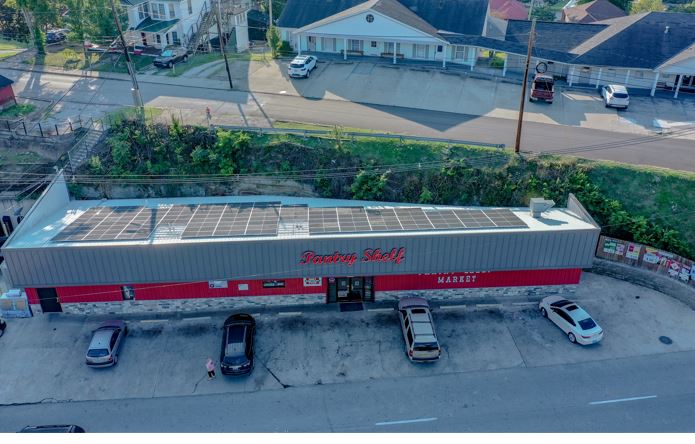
[369,185]
[544,13]
[689,7]
[639,6]
[274,41]
[40,14]
[12,24]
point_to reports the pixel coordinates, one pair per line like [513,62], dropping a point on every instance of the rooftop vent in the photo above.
[666,30]
[539,205]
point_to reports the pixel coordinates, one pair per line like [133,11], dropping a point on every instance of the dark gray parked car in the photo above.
[171,56]
[236,357]
[106,344]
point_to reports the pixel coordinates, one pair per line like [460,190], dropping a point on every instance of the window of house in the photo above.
[460,52]
[143,11]
[175,38]
[440,48]
[355,45]
[420,51]
[388,48]
[172,12]
[159,12]
[373,44]
[128,293]
[190,7]
[167,37]
[159,39]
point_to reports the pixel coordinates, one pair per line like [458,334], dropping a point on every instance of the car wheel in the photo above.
[607,105]
[307,74]
[170,65]
[115,359]
[125,332]
[544,313]
[572,338]
[550,102]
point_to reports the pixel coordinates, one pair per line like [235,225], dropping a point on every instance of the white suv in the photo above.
[421,344]
[301,66]
[616,96]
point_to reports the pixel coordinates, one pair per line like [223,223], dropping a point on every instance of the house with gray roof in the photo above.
[591,12]
[642,51]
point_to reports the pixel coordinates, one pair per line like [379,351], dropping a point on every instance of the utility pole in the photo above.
[221,38]
[531,37]
[137,98]
[270,12]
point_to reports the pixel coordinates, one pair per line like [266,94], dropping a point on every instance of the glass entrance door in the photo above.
[350,289]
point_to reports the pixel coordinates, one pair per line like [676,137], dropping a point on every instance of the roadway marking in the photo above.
[197,319]
[289,313]
[452,307]
[381,309]
[405,421]
[610,401]
[149,321]
[488,305]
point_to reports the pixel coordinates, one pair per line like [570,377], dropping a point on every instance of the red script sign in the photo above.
[396,256]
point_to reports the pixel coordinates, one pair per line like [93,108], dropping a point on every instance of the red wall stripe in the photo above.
[191,290]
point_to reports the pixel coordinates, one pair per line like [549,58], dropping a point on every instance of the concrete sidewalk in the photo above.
[43,357]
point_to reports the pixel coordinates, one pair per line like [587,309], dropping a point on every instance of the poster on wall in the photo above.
[651,255]
[620,249]
[217,284]
[674,269]
[609,246]
[632,251]
[692,272]
[684,275]
[312,282]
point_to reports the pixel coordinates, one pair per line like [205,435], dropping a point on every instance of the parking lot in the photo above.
[43,357]
[455,90]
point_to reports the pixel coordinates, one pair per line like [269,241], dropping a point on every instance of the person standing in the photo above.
[210,365]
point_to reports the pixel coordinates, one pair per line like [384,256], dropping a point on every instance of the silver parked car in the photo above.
[106,344]
[421,344]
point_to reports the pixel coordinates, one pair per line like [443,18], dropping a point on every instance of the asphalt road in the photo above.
[643,394]
[262,109]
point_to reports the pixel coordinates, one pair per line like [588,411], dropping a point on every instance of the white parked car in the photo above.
[572,319]
[421,344]
[615,96]
[301,66]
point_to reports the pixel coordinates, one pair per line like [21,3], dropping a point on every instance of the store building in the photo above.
[90,256]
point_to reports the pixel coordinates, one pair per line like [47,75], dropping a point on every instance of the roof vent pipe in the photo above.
[666,30]
[539,205]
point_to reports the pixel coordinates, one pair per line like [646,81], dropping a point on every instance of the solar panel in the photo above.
[323,220]
[270,219]
[413,219]
[353,220]
[234,220]
[264,220]
[383,219]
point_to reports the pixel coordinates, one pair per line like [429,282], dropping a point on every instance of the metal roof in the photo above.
[239,218]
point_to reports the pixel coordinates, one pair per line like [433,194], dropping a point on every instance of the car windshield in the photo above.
[167,53]
[587,324]
[297,65]
[620,95]
[543,85]
[97,352]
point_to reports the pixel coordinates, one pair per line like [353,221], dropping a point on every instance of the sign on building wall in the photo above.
[217,284]
[312,282]
[368,255]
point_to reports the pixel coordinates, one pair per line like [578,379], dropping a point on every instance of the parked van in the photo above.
[542,88]
[421,344]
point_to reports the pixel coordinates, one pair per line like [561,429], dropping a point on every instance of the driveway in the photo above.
[43,357]
[457,91]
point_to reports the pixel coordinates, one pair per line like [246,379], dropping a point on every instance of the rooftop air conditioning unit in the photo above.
[539,205]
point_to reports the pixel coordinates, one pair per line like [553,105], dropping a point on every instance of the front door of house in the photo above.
[311,41]
[48,297]
[143,36]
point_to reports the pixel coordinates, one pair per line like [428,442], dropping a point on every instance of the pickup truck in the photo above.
[542,88]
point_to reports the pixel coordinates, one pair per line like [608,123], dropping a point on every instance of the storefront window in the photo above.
[274,284]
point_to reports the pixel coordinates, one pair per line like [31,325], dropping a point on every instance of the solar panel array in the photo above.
[270,219]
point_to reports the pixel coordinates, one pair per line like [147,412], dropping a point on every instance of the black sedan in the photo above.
[55,37]
[236,357]
[171,56]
